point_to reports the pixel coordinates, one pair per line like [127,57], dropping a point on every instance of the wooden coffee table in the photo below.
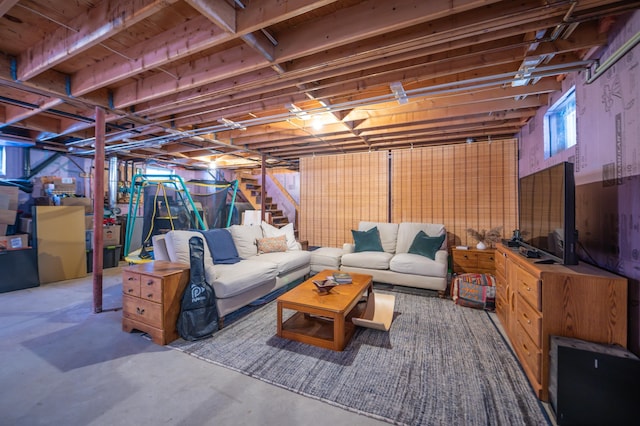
[323,320]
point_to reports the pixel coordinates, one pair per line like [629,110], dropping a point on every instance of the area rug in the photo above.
[439,364]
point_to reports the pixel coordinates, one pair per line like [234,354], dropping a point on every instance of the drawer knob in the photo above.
[149,282]
[140,311]
[131,279]
[130,290]
[150,295]
[526,318]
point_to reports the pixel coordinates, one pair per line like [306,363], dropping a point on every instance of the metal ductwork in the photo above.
[113,182]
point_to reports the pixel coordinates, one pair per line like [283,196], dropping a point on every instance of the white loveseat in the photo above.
[256,275]
[395,265]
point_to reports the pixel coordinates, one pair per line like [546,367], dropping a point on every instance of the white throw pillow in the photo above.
[244,237]
[271,231]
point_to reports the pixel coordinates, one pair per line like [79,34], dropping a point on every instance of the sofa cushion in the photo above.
[287,261]
[287,230]
[388,233]
[367,240]
[177,243]
[245,237]
[272,244]
[425,245]
[368,259]
[408,263]
[221,246]
[234,279]
[407,232]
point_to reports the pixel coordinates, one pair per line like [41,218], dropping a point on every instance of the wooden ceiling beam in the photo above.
[493,106]
[177,43]
[232,62]
[263,13]
[236,61]
[373,19]
[286,138]
[220,13]
[84,31]
[5,5]
[461,30]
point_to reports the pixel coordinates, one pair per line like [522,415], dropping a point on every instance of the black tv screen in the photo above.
[547,213]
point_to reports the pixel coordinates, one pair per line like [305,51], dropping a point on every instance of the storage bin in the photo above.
[110,258]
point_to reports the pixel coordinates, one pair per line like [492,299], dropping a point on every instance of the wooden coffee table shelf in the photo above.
[323,320]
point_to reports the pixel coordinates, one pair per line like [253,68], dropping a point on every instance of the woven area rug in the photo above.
[439,364]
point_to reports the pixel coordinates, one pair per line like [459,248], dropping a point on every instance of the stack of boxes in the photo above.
[8,215]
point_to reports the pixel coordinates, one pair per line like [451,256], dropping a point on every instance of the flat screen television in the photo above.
[547,214]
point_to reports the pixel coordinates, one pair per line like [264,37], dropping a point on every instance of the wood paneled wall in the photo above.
[463,186]
[338,191]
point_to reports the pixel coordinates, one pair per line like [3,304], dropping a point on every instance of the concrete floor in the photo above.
[61,364]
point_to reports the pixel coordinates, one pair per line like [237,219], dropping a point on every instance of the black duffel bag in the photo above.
[198,312]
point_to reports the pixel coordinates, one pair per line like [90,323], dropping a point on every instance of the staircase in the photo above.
[252,190]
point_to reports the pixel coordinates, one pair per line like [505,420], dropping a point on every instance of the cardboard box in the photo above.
[111,235]
[60,185]
[8,216]
[78,201]
[3,229]
[11,193]
[14,242]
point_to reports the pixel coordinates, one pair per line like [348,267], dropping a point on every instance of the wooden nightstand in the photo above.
[151,298]
[473,261]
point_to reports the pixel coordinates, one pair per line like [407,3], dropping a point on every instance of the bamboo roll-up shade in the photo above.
[462,186]
[338,191]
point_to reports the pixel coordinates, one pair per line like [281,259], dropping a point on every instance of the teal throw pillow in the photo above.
[425,245]
[367,240]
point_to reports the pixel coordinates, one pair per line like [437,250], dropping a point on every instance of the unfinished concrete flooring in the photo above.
[61,364]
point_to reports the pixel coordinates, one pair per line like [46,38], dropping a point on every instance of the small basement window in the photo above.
[560,125]
[3,163]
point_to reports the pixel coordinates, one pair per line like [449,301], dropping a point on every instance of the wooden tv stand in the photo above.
[536,301]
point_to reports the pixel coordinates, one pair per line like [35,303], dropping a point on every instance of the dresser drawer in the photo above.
[151,288]
[530,354]
[486,261]
[529,289]
[531,321]
[131,283]
[142,310]
[466,259]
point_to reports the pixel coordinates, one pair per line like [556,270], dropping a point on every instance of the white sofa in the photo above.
[395,265]
[256,275]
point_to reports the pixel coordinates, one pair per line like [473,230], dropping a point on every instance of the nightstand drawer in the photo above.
[131,283]
[151,288]
[142,310]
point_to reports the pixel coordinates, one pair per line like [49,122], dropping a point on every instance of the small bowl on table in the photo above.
[324,286]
